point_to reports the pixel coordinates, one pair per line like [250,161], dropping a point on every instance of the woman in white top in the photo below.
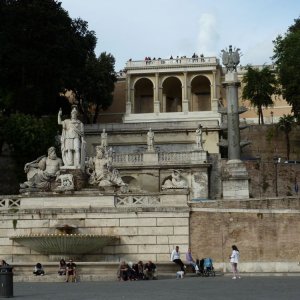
[234,259]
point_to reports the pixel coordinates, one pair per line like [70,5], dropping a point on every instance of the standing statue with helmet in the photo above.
[72,140]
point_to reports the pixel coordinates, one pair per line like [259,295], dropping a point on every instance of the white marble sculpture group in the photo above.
[51,173]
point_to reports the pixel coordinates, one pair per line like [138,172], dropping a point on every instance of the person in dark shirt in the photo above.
[62,267]
[71,271]
[150,270]
[38,270]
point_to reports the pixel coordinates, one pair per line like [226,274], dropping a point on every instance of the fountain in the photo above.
[64,242]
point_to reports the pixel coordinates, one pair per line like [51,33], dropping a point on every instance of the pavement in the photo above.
[220,287]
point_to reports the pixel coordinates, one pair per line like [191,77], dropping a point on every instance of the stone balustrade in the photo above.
[9,202]
[172,62]
[164,158]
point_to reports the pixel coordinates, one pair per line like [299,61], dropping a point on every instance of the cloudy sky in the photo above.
[160,28]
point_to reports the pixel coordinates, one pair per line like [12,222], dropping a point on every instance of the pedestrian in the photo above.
[175,257]
[190,260]
[71,271]
[234,260]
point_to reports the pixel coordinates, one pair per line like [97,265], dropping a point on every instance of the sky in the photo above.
[134,29]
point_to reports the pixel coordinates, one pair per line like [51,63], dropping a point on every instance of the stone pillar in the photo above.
[235,175]
[156,104]
[231,83]
[164,109]
[214,98]
[185,101]
[128,102]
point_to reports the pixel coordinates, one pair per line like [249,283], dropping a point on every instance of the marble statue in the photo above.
[42,171]
[72,140]
[199,141]
[104,138]
[101,170]
[177,181]
[230,59]
[150,140]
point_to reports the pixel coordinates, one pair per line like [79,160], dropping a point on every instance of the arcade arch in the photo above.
[201,94]
[172,95]
[143,96]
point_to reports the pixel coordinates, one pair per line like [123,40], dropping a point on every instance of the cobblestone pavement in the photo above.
[254,288]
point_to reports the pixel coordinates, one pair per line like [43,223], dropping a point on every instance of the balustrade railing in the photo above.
[164,158]
[8,202]
[129,158]
[137,200]
[173,62]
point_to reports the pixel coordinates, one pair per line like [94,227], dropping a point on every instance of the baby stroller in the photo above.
[206,267]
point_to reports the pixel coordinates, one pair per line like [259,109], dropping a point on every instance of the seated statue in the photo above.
[42,171]
[101,171]
[177,181]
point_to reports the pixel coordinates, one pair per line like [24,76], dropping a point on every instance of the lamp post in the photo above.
[272,115]
[276,173]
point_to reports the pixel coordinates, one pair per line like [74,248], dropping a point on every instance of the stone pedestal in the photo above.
[150,157]
[235,180]
[79,177]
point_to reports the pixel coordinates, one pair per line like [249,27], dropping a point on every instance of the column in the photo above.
[128,102]
[231,83]
[185,102]
[214,98]
[156,94]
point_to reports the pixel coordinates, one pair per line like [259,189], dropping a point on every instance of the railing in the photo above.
[164,158]
[182,157]
[137,200]
[133,159]
[172,62]
[8,202]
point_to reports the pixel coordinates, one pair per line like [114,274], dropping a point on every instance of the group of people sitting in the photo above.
[68,270]
[65,269]
[137,271]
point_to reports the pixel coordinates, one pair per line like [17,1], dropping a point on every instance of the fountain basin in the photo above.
[67,244]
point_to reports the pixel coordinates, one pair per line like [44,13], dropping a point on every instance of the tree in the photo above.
[285,124]
[287,60]
[29,137]
[259,87]
[42,54]
[97,86]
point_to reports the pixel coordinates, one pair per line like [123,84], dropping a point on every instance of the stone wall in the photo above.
[265,231]
[148,232]
[268,141]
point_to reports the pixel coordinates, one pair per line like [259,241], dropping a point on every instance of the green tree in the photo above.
[285,124]
[43,53]
[29,137]
[97,85]
[287,60]
[260,85]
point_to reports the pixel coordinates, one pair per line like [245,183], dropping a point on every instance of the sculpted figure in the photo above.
[177,181]
[66,182]
[199,137]
[231,59]
[42,171]
[101,171]
[150,140]
[72,140]
[104,138]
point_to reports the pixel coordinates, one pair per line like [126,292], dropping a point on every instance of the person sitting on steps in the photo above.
[38,270]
